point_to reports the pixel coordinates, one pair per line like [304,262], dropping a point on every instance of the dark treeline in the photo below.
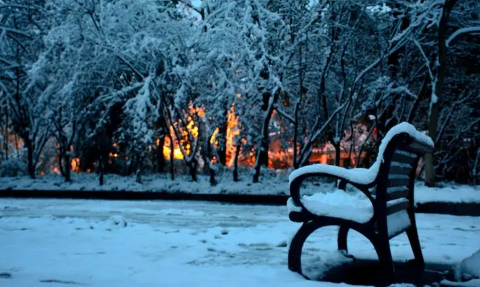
[127,86]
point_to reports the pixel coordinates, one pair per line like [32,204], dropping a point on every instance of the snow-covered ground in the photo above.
[176,243]
[273,184]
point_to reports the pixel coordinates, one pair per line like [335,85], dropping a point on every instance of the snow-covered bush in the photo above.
[13,167]
[469,268]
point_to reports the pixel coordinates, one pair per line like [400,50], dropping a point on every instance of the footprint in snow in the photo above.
[5,275]
[60,281]
[257,246]
[282,244]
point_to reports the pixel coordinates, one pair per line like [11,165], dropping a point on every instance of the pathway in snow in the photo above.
[170,243]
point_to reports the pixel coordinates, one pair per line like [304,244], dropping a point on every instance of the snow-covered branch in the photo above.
[461,31]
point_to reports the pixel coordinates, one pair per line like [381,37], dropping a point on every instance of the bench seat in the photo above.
[342,205]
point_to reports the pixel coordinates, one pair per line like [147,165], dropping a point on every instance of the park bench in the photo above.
[389,186]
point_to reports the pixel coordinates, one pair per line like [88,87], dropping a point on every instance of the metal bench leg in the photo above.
[385,256]
[415,243]
[342,238]
[295,248]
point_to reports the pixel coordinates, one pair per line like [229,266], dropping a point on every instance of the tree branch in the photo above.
[461,31]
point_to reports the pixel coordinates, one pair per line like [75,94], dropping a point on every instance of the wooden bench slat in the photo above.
[400,231]
[397,192]
[403,157]
[400,168]
[396,207]
[398,180]
[419,148]
[398,223]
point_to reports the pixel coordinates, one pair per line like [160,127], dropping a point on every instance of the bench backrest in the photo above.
[397,173]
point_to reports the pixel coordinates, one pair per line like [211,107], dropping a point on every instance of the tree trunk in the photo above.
[362,146]
[60,162]
[222,141]
[101,171]
[262,159]
[67,167]
[295,136]
[16,146]
[192,167]
[30,164]
[160,156]
[138,178]
[211,171]
[208,159]
[262,153]
[235,164]
[437,89]
[5,141]
[172,160]
[337,154]
[101,167]
[139,169]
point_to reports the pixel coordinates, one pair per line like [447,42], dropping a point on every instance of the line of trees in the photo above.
[90,74]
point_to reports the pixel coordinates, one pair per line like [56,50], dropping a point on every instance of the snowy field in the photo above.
[272,184]
[166,243]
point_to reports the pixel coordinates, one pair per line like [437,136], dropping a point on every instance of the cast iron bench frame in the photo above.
[376,229]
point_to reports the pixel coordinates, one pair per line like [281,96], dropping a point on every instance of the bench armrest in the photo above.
[323,171]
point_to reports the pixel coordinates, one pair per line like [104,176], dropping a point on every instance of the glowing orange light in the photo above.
[75,164]
[233,131]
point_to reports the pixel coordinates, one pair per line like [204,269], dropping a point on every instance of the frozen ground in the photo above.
[121,243]
[274,183]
